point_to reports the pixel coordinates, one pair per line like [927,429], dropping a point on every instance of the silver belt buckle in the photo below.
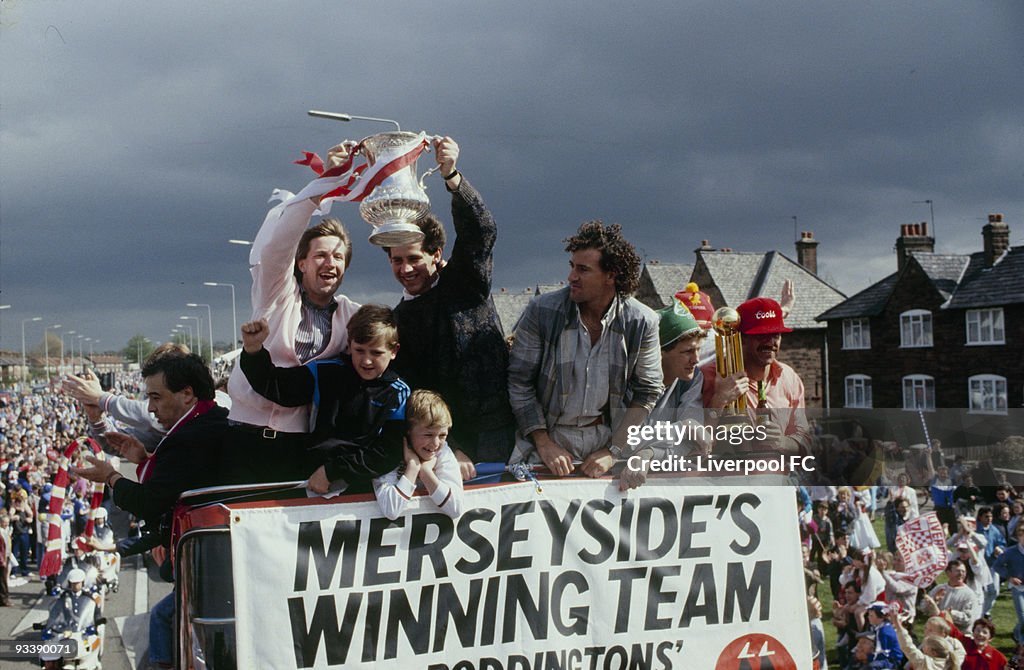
[269,434]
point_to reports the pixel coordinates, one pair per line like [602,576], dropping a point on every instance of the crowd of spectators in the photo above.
[880,618]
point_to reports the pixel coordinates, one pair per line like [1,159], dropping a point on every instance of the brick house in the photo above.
[943,331]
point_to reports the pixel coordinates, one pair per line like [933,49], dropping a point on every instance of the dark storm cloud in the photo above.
[136,140]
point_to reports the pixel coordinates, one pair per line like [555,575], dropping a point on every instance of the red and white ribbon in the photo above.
[51,563]
[351,182]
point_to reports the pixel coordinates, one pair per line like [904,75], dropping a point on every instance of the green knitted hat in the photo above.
[676,321]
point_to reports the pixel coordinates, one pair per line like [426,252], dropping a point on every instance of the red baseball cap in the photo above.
[761,316]
[698,303]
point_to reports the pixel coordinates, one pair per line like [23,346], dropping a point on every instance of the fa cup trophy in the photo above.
[398,200]
[391,197]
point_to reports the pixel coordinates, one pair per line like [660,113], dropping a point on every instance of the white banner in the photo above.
[577,577]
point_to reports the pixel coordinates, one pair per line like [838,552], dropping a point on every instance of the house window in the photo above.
[987,394]
[856,334]
[916,328]
[858,391]
[985,326]
[919,392]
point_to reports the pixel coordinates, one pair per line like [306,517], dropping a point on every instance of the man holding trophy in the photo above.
[452,342]
[763,382]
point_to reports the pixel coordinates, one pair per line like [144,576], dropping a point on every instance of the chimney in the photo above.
[807,251]
[705,245]
[913,238]
[997,238]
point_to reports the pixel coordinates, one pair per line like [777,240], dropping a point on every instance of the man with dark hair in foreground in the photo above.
[180,393]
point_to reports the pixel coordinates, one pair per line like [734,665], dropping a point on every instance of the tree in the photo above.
[52,341]
[139,348]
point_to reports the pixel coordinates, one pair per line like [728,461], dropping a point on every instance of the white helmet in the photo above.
[101,513]
[76,575]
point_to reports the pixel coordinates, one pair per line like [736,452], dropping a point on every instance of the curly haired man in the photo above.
[586,363]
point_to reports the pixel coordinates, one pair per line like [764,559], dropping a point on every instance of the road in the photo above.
[127,611]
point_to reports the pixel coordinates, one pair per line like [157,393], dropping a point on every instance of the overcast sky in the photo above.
[137,138]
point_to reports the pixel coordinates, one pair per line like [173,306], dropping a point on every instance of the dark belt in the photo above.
[262,431]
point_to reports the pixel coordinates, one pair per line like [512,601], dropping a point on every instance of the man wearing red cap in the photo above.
[761,328]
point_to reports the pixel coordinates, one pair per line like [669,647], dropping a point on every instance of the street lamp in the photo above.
[209,323]
[191,344]
[244,243]
[46,351]
[60,370]
[234,316]
[138,350]
[199,331]
[24,360]
[81,355]
[336,116]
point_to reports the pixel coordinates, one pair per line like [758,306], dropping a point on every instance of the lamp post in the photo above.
[81,354]
[60,370]
[234,315]
[188,326]
[46,350]
[209,323]
[199,331]
[138,350]
[336,116]
[24,359]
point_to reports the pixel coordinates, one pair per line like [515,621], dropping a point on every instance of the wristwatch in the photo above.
[615,450]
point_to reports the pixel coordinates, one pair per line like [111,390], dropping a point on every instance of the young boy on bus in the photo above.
[358,413]
[428,461]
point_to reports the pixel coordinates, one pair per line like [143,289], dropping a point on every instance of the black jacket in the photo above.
[190,458]
[451,338]
[358,425]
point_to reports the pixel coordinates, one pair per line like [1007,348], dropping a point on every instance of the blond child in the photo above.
[428,460]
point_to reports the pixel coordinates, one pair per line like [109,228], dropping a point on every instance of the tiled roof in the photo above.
[734,272]
[963,280]
[668,278]
[1002,284]
[107,358]
[869,302]
[741,276]
[548,288]
[510,306]
[943,269]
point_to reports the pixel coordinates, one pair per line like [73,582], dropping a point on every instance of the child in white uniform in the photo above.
[428,460]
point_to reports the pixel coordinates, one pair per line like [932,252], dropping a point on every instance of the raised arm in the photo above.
[475,229]
[289,387]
